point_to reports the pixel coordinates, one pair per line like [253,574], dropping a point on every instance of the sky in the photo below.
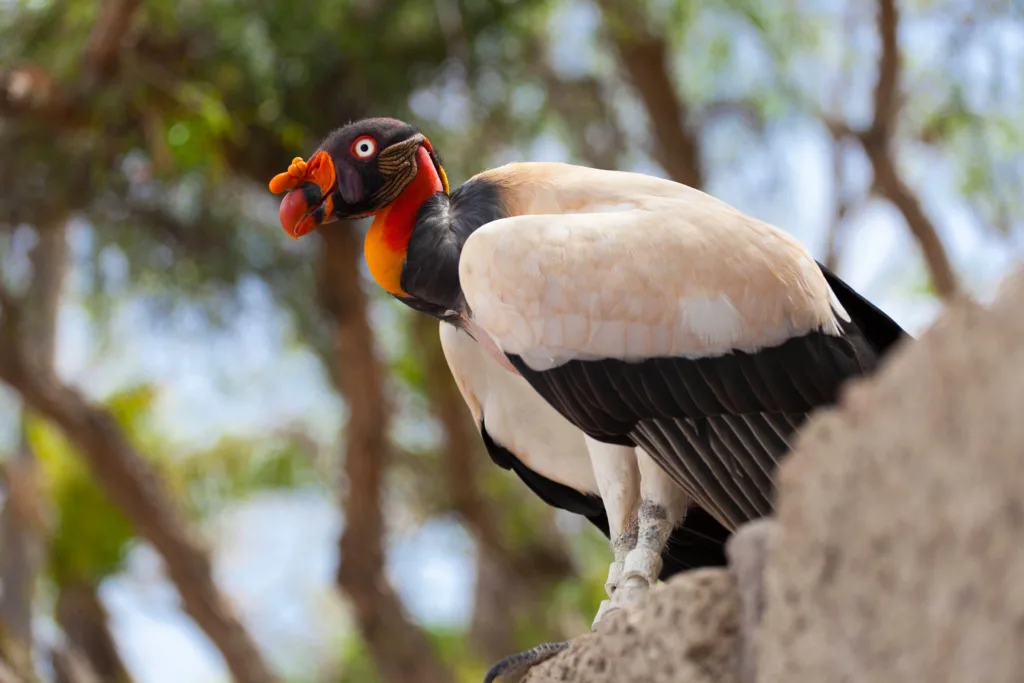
[275,553]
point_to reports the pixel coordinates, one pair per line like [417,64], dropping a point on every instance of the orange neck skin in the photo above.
[388,236]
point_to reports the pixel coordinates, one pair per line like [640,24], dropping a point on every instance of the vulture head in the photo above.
[358,171]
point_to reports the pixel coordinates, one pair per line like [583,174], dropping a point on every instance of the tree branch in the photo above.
[877,144]
[398,647]
[25,519]
[511,577]
[887,88]
[492,628]
[132,484]
[28,90]
[71,666]
[108,34]
[581,106]
[645,58]
[460,448]
[16,661]
[86,626]
[889,184]
[745,109]
[842,206]
[8,675]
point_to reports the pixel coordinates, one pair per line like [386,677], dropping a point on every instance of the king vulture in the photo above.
[520,430]
[661,322]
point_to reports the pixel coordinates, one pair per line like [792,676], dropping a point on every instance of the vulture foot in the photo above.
[614,577]
[514,668]
[642,565]
[606,608]
[633,591]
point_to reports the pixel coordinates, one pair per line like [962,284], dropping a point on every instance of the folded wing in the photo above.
[687,328]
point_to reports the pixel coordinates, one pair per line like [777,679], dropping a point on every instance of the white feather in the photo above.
[516,416]
[689,278]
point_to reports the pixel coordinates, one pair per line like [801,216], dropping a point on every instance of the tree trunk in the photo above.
[502,601]
[511,581]
[9,675]
[645,58]
[22,546]
[71,666]
[132,485]
[86,626]
[24,519]
[399,648]
[22,553]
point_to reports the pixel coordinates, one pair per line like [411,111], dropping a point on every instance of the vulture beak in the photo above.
[309,201]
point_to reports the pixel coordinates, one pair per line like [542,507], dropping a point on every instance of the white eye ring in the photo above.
[364,147]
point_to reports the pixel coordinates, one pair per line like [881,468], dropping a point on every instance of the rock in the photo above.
[897,548]
[749,551]
[686,632]
[900,549]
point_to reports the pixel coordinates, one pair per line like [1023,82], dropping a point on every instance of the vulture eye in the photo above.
[364,147]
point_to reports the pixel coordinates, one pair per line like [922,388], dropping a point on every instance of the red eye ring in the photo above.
[363,147]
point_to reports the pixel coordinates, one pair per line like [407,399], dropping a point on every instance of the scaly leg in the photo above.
[662,508]
[618,481]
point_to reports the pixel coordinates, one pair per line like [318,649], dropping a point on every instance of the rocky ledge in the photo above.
[897,550]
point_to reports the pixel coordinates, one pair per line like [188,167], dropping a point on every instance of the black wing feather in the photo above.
[880,331]
[551,492]
[720,425]
[698,543]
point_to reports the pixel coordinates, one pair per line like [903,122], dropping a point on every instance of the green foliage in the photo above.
[581,594]
[236,467]
[91,535]
[356,664]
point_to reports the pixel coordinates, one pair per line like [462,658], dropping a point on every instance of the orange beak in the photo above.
[308,202]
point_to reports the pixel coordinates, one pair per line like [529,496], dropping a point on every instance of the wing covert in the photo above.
[700,334]
[673,279]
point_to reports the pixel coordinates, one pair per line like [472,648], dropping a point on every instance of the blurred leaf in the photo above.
[235,468]
[91,535]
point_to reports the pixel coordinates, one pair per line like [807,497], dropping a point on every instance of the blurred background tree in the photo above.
[227,456]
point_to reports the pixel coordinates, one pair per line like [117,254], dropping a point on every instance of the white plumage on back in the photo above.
[668,271]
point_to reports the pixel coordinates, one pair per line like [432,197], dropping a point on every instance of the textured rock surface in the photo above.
[749,552]
[900,552]
[686,632]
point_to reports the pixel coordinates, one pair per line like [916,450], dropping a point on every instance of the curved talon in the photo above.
[603,611]
[511,669]
[614,577]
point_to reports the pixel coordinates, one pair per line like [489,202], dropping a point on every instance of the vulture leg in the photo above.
[618,480]
[662,509]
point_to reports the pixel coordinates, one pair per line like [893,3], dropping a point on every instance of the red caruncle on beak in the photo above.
[308,201]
